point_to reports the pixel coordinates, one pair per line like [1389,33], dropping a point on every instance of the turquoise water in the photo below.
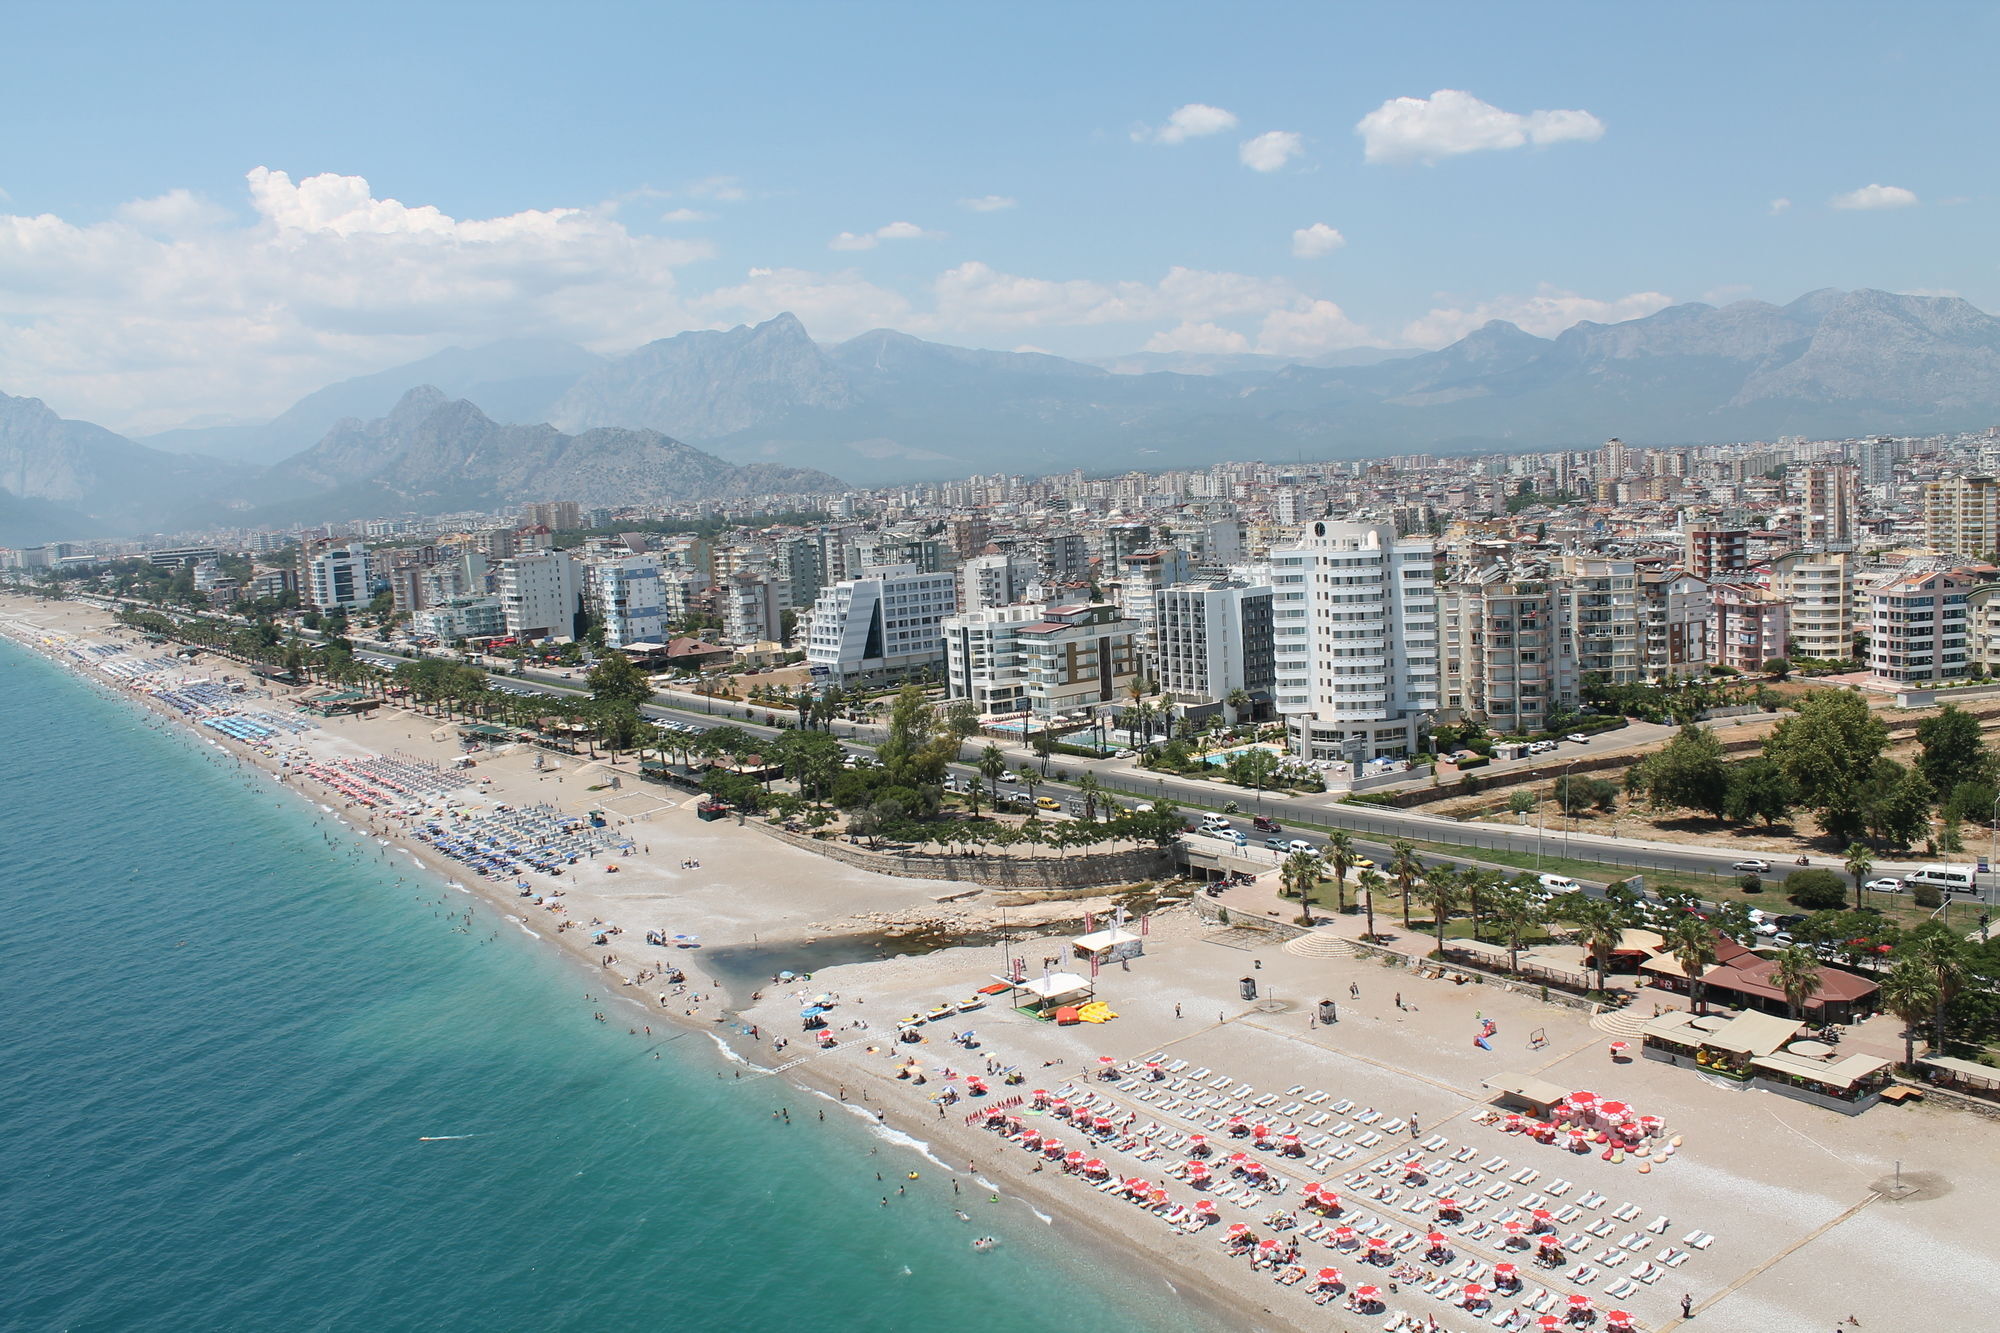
[227,1027]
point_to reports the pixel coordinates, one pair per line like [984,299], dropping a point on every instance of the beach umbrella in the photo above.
[1074,1155]
[1238,1158]
[1158,1196]
[1343,1234]
[1367,1293]
[1436,1238]
[1329,1276]
[1542,1215]
[1618,1319]
[1267,1245]
[1238,1229]
[1197,1141]
[1548,1321]
[1578,1301]
[1614,1110]
[1582,1099]
[1254,1168]
[1329,1199]
[1312,1190]
[1106,1060]
[1291,1138]
[1261,1132]
[1378,1242]
[1447,1205]
[1515,1226]
[1474,1292]
[1198,1170]
[1505,1271]
[1652,1124]
[1206,1207]
[1620,1047]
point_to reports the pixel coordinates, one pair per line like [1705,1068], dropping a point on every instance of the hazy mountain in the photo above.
[1241,363]
[433,453]
[885,406]
[514,380]
[64,478]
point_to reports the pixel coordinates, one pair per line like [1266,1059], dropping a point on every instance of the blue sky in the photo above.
[442,174]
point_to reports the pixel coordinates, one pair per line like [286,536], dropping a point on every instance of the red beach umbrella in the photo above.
[1474,1292]
[1436,1238]
[1291,1138]
[1367,1293]
[1206,1206]
[1504,1270]
[1620,1047]
[1074,1155]
[1106,1060]
[1578,1301]
[1237,1229]
[1238,1158]
[1095,1166]
[1551,1241]
[1378,1242]
[1267,1245]
[1261,1132]
[1548,1321]
[1618,1319]
[1615,1110]
[1344,1234]
[1581,1098]
[1198,1170]
[1329,1276]
[1312,1189]
[1542,1215]
[1254,1168]
[1447,1205]
[1515,1227]
[1197,1140]
[1329,1199]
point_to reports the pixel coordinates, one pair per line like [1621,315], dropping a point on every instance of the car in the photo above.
[1766,928]
[1363,863]
[1789,919]
[1277,844]
[1125,754]
[1887,884]
[1301,845]
[1752,866]
[1559,883]
[1783,939]
[1263,825]
[1577,737]
[1048,803]
[1540,747]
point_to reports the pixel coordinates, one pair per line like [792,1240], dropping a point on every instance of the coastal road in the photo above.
[1309,816]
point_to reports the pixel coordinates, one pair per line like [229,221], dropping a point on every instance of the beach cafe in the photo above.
[1962,1075]
[1048,996]
[1766,1051]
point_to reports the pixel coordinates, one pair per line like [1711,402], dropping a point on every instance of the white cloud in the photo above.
[975,296]
[722,189]
[685,215]
[172,213]
[1316,241]
[1271,150]
[1548,312]
[1450,122]
[1204,337]
[868,240]
[1308,329]
[1875,196]
[831,305]
[1779,205]
[988,203]
[1188,122]
[168,310]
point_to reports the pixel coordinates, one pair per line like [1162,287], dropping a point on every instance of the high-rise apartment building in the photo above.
[1819,588]
[1675,608]
[1831,503]
[1505,651]
[541,594]
[334,575]
[885,623]
[1044,660]
[1712,551]
[555,515]
[1748,625]
[629,596]
[1213,639]
[1918,626]
[1962,516]
[1355,639]
[1603,617]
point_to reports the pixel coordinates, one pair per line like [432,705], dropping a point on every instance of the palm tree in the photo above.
[1943,953]
[1910,992]
[1859,863]
[991,765]
[1692,943]
[1238,699]
[1340,855]
[1090,789]
[1405,866]
[1517,912]
[1476,882]
[1029,778]
[1797,975]
[1440,893]
[1371,880]
[1600,925]
[1298,875]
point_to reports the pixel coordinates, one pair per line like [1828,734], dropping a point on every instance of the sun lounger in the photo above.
[1368,1117]
[1317,1097]
[1600,1228]
[1702,1240]
[1591,1200]
[1465,1154]
[1268,1099]
[1368,1138]
[1344,1151]
[1560,1187]
[1619,1288]
[1646,1273]
[1493,1165]
[1627,1213]
[1342,1107]
[1658,1226]
[1392,1127]
[1523,1176]
[1674,1258]
[1569,1215]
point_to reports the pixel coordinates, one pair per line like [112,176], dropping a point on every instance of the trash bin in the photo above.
[1329,1012]
[1248,986]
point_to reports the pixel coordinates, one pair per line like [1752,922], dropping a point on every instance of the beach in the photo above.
[1802,1234]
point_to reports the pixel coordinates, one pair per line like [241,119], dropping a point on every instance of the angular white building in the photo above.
[335,576]
[629,595]
[1354,628]
[541,593]
[1212,639]
[887,622]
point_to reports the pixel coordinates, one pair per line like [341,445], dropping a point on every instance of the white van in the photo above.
[1214,823]
[1952,879]
[1558,884]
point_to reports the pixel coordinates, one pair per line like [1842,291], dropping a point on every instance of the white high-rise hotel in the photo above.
[1354,620]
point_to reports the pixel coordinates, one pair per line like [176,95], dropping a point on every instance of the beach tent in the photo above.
[1108,946]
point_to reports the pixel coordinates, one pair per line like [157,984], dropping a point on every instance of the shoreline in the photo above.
[1213,1303]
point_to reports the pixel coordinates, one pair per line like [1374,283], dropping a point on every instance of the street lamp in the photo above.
[1565,798]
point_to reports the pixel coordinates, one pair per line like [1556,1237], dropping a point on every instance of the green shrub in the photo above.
[1750,884]
[1816,890]
[1927,896]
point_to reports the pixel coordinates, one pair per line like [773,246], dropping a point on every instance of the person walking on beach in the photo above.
[1354,990]
[1687,1307]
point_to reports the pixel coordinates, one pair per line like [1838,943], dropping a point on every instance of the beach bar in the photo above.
[1765,1051]
[1532,1094]
[1108,946]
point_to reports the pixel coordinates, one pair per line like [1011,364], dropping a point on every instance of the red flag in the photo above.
[1093,967]
[1146,924]
[1089,923]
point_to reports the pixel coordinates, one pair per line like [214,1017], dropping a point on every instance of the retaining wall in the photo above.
[1042,872]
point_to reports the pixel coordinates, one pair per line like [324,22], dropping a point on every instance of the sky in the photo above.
[207,210]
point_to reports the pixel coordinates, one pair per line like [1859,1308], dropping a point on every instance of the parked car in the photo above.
[1887,884]
[1301,845]
[1576,736]
[1752,866]
[1540,747]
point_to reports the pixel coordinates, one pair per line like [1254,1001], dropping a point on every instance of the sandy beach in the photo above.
[1803,1233]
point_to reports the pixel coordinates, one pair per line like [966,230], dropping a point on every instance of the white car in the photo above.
[1301,845]
[1887,884]
[1578,737]
[1753,866]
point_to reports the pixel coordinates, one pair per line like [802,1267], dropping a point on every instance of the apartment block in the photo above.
[1212,639]
[886,623]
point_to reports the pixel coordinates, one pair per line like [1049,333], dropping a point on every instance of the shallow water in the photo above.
[231,1026]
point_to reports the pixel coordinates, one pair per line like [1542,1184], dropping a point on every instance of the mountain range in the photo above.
[672,417]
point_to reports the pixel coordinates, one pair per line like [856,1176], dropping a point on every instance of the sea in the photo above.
[259,1072]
